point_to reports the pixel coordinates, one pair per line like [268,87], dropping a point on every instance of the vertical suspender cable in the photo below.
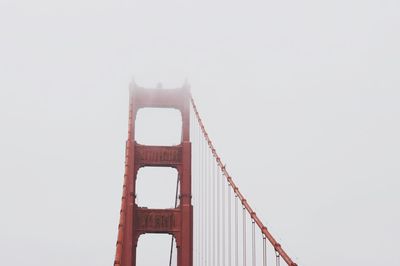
[205,204]
[212,207]
[201,199]
[194,185]
[198,153]
[203,196]
[218,233]
[194,194]
[236,231]
[210,202]
[223,217]
[244,235]
[198,177]
[264,250]
[197,187]
[208,207]
[205,177]
[200,207]
[229,225]
[278,262]
[253,242]
[214,216]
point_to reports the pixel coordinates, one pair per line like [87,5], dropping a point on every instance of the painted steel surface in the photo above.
[134,220]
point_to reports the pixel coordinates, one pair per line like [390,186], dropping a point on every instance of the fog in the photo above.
[301,99]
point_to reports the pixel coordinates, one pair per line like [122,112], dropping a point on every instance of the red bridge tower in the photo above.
[135,220]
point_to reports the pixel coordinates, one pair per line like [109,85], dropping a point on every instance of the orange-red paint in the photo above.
[135,221]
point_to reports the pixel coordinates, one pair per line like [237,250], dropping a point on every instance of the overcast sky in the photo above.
[300,97]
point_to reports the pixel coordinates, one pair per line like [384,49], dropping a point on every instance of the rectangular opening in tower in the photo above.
[158,126]
[155,250]
[156,187]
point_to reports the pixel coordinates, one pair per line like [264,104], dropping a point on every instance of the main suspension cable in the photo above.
[239,195]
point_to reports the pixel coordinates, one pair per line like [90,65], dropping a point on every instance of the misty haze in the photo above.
[300,99]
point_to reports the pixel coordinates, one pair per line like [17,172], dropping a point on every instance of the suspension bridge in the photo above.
[212,222]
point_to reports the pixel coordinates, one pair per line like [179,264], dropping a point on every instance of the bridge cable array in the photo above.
[218,242]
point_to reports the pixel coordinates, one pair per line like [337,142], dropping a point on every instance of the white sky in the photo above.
[300,97]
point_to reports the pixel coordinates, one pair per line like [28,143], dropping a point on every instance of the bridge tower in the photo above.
[134,220]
